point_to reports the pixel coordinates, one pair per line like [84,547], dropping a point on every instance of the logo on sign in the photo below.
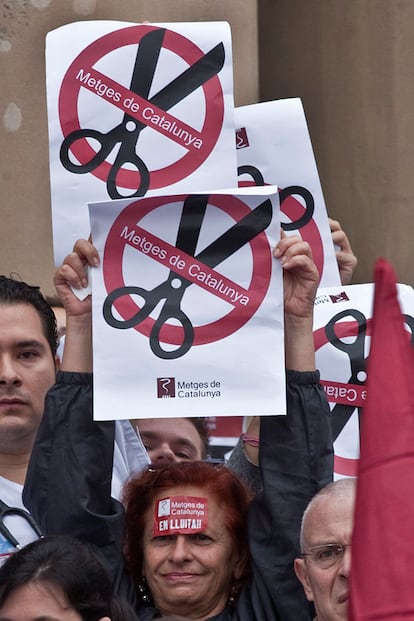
[165,387]
[339,297]
[164,507]
[242,140]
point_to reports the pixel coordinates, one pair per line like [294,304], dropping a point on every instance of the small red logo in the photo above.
[339,297]
[242,140]
[165,387]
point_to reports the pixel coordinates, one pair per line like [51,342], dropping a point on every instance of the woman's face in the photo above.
[189,574]
[38,600]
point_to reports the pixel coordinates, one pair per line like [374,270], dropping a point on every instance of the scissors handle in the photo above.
[106,141]
[341,413]
[409,321]
[125,133]
[127,155]
[298,190]
[171,311]
[151,302]
[355,349]
[254,172]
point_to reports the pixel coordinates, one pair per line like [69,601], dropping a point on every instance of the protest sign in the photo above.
[274,147]
[342,333]
[133,108]
[188,306]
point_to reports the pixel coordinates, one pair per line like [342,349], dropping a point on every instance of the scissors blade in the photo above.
[192,215]
[196,75]
[146,60]
[238,235]
[340,415]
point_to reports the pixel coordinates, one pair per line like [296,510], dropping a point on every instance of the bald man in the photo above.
[325,538]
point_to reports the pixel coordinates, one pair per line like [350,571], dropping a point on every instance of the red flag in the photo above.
[381,580]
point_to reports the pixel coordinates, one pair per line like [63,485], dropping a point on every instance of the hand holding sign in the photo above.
[346,259]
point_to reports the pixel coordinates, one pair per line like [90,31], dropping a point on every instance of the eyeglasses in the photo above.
[327,555]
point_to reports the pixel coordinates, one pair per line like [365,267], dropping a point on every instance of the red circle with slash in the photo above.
[216,330]
[71,87]
[344,466]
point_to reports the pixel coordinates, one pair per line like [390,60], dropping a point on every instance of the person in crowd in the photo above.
[58,578]
[325,539]
[167,442]
[183,439]
[195,564]
[139,442]
[345,257]
[28,363]
[296,460]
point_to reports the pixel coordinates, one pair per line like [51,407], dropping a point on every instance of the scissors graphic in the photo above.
[174,287]
[410,323]
[128,131]
[341,413]
[6,511]
[291,190]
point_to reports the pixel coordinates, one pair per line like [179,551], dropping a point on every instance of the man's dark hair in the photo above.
[201,426]
[14,291]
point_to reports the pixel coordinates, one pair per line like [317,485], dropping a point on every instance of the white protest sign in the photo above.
[133,108]
[342,332]
[188,306]
[274,147]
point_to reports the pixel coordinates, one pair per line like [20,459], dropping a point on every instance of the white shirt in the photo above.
[130,456]
[11,495]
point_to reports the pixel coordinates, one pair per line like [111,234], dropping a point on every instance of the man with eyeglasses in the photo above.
[325,538]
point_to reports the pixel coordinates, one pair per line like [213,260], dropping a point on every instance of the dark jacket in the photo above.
[69,480]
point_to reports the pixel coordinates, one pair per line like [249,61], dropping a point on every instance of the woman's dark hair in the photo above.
[18,292]
[220,482]
[69,565]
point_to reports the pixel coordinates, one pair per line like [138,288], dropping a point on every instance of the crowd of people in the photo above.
[264,537]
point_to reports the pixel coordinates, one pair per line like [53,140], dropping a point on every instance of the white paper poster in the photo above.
[132,109]
[188,306]
[274,147]
[342,332]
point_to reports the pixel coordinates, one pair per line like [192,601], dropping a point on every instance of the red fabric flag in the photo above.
[381,580]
